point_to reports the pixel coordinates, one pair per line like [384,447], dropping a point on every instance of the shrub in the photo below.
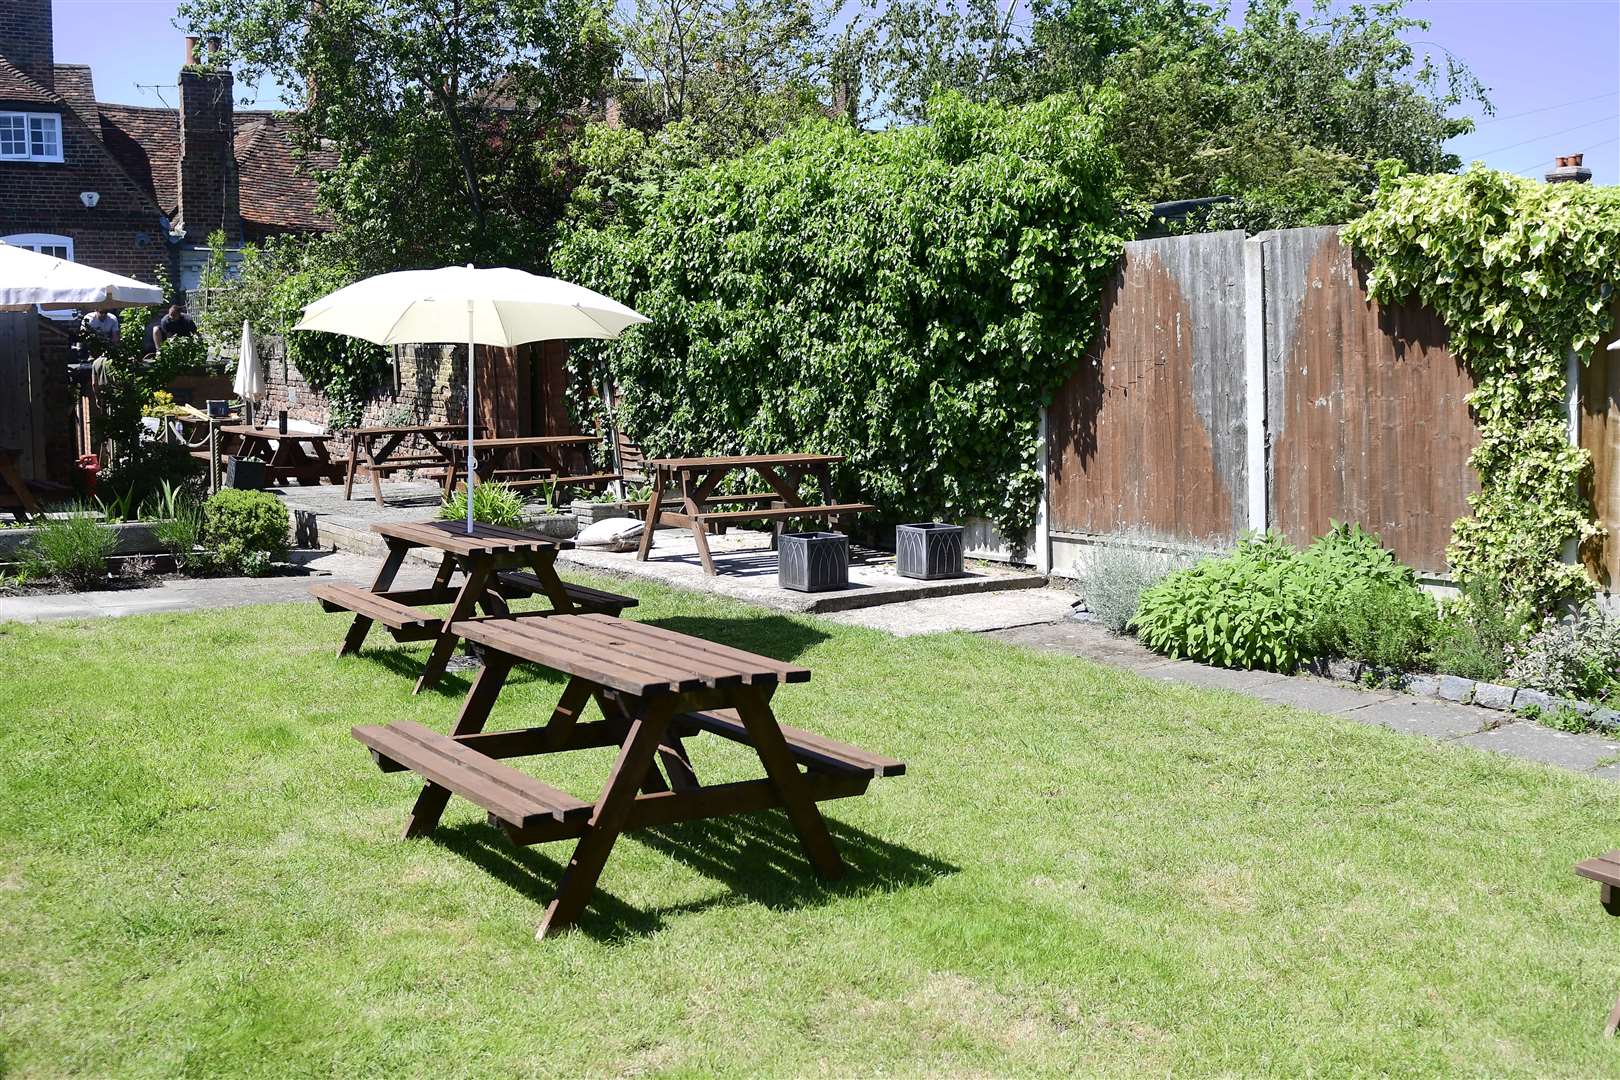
[1389,628]
[1249,609]
[493,504]
[1119,571]
[180,532]
[1476,631]
[1578,657]
[73,549]
[245,530]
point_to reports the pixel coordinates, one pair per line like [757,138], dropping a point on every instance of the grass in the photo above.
[1083,873]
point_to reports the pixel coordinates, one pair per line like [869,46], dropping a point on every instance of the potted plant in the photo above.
[813,561]
[928,550]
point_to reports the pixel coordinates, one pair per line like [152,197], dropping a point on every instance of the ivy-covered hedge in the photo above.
[907,298]
[1520,272]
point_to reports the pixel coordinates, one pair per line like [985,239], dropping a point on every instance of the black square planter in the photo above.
[928,550]
[813,561]
[244,473]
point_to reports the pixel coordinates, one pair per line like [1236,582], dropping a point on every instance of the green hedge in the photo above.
[907,298]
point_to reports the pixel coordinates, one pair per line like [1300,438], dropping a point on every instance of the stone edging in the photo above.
[1487,695]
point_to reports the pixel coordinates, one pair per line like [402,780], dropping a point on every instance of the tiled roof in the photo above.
[276,190]
[75,85]
[17,88]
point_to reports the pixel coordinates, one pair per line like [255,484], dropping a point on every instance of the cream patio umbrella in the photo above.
[29,279]
[249,382]
[495,306]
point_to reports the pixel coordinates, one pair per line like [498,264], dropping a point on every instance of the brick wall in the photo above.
[26,38]
[208,181]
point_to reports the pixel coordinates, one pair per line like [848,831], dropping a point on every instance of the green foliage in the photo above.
[245,530]
[1518,271]
[1389,629]
[1577,657]
[1252,608]
[908,298]
[493,504]
[72,548]
[1476,631]
[1119,570]
[181,532]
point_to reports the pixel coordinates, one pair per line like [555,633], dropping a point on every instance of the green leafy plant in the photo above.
[1119,570]
[180,533]
[1390,629]
[245,530]
[1518,271]
[493,504]
[1577,657]
[908,298]
[73,547]
[1252,608]
[1476,630]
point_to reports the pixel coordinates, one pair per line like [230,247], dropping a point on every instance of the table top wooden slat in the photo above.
[745,460]
[1603,868]
[452,536]
[751,664]
[255,432]
[411,429]
[631,657]
[526,440]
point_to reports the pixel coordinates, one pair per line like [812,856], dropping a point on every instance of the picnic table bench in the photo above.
[699,479]
[551,472]
[654,688]
[496,565]
[284,455]
[378,450]
[1605,870]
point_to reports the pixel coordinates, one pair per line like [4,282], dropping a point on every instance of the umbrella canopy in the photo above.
[29,279]
[249,384]
[495,306]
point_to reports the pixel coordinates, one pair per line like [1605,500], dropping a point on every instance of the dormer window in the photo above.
[30,136]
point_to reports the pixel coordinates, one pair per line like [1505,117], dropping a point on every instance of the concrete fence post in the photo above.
[1254,371]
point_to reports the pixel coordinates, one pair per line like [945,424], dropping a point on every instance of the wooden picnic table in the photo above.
[376,449]
[551,471]
[496,565]
[284,455]
[654,689]
[1605,870]
[699,479]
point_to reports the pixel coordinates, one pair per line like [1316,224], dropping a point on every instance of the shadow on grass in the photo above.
[771,635]
[756,856]
[455,682]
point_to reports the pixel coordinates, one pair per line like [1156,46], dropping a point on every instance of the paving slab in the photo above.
[1214,678]
[1086,640]
[1319,695]
[1582,753]
[1423,716]
[977,613]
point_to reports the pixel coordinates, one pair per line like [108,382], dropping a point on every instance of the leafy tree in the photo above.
[449,117]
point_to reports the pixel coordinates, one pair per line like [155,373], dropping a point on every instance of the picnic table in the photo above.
[285,456]
[496,564]
[654,689]
[548,449]
[1605,870]
[699,480]
[377,450]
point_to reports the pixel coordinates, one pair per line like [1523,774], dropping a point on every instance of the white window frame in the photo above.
[28,137]
[33,241]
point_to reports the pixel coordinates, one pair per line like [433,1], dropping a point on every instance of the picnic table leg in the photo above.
[478,579]
[672,752]
[653,507]
[694,495]
[354,462]
[430,804]
[385,578]
[545,568]
[784,775]
[614,805]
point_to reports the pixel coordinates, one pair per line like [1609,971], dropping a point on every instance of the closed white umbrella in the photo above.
[29,279]
[496,306]
[249,384]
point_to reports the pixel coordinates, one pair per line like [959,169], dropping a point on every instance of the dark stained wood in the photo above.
[808,748]
[754,459]
[763,513]
[1600,436]
[376,449]
[1605,870]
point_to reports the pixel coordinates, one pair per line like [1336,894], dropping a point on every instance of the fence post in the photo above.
[1254,371]
[1043,537]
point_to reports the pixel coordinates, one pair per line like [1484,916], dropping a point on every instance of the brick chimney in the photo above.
[26,39]
[208,181]
[1569,170]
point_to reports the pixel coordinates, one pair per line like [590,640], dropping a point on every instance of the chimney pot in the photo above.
[1569,170]
[191,52]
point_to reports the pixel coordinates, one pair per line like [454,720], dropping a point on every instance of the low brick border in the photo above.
[1487,695]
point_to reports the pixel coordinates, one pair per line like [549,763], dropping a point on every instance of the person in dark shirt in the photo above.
[173,325]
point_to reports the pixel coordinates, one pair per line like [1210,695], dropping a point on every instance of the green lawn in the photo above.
[1083,872]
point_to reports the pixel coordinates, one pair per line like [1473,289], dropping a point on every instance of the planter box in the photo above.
[813,561]
[134,538]
[244,473]
[928,550]
[556,526]
[589,513]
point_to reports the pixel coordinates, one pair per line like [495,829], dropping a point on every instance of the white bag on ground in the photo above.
[614,534]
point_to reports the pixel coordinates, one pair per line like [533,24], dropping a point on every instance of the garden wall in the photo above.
[1247,382]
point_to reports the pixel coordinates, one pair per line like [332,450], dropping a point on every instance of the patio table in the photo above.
[377,450]
[496,564]
[699,479]
[284,455]
[654,688]
[547,448]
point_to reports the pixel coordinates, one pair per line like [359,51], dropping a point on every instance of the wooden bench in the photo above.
[1605,870]
[519,583]
[773,513]
[406,623]
[511,796]
[815,752]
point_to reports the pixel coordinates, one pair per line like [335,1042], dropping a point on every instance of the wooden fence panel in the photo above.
[1600,434]
[1365,406]
[1150,432]
[22,391]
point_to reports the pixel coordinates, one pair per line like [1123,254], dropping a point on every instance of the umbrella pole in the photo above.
[472,369]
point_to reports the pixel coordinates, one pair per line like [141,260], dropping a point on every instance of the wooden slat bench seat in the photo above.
[769,512]
[337,596]
[512,796]
[518,583]
[815,752]
[426,461]
[1605,870]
